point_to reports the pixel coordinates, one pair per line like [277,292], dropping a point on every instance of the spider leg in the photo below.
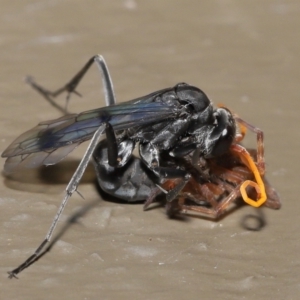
[216,211]
[260,161]
[273,200]
[241,134]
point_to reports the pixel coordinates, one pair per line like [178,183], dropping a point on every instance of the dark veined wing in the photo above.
[51,141]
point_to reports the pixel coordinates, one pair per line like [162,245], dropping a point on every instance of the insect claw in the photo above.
[12,275]
[29,79]
[80,194]
[77,93]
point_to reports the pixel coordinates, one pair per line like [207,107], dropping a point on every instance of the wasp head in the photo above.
[216,138]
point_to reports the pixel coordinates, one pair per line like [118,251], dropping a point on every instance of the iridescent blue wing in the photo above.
[51,141]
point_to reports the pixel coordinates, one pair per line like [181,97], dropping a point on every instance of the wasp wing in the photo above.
[51,141]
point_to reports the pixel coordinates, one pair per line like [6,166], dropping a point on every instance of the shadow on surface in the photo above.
[72,220]
[50,178]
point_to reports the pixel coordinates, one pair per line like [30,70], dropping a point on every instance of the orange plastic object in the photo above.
[259,186]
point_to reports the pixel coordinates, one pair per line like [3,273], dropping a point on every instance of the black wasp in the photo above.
[173,122]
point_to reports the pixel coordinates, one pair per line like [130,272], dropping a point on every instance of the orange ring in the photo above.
[258,185]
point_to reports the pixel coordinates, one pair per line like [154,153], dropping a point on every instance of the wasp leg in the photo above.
[152,196]
[130,182]
[71,86]
[110,98]
[70,189]
[150,156]
[175,187]
[117,154]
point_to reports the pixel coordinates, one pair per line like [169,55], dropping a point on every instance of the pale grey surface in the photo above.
[244,54]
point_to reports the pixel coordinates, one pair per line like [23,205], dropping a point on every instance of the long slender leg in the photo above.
[71,188]
[109,94]
[71,86]
[74,182]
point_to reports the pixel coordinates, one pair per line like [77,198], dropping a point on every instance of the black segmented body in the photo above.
[177,120]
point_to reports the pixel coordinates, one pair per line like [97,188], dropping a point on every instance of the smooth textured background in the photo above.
[244,54]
